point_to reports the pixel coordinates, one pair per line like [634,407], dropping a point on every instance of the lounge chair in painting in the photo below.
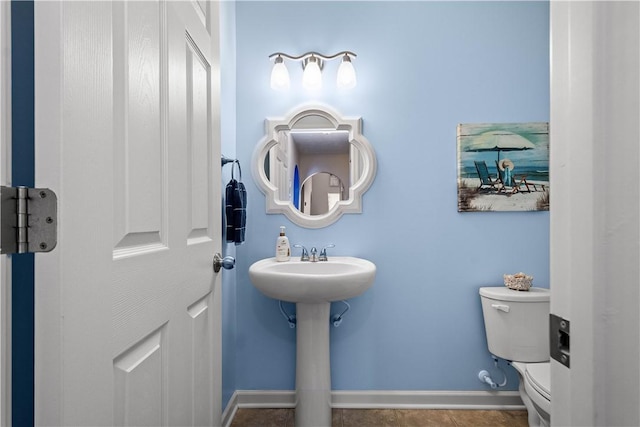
[485,177]
[508,179]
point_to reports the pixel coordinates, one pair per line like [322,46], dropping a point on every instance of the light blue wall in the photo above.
[423,67]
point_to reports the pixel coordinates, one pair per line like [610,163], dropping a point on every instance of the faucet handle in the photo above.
[305,254]
[323,252]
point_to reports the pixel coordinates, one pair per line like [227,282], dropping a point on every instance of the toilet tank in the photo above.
[517,323]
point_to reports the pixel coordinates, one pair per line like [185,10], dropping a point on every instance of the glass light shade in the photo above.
[279,75]
[346,74]
[312,76]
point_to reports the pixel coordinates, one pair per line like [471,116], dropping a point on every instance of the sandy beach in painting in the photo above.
[493,152]
[491,200]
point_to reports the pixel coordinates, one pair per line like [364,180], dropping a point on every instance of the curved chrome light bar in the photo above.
[310,54]
[312,78]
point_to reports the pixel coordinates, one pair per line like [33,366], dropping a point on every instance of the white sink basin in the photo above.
[311,282]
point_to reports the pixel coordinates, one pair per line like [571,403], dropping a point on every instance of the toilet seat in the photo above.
[539,376]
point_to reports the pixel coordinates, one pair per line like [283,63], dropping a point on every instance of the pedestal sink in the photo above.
[313,286]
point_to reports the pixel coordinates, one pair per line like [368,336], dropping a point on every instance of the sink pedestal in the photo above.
[313,369]
[312,286]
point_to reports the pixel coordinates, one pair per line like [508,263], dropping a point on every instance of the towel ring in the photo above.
[233,166]
[226,160]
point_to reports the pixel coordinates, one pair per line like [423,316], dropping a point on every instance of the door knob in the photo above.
[227,262]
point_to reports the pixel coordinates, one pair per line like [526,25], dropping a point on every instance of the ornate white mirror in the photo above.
[313,165]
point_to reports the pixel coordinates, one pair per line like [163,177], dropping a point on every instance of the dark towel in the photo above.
[236,211]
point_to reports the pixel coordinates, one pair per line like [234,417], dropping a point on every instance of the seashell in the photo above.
[518,281]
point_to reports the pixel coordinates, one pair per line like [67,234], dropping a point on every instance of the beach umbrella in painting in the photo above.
[499,140]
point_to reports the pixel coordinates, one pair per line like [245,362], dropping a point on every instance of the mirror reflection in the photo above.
[320,193]
[324,164]
[314,165]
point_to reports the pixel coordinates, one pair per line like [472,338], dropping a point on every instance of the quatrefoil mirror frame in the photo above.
[334,122]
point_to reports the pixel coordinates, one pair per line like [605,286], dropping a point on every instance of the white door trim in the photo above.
[5,179]
[48,391]
[595,163]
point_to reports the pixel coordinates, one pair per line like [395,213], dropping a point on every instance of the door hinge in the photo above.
[559,339]
[29,220]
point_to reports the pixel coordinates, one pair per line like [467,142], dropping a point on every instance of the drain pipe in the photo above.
[337,319]
[291,318]
[485,377]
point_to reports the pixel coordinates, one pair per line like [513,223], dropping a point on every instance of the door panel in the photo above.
[140,155]
[131,295]
[199,127]
[140,383]
[202,345]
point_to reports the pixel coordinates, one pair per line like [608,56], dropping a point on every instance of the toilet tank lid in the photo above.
[503,293]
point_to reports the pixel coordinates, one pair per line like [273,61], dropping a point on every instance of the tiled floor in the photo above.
[387,417]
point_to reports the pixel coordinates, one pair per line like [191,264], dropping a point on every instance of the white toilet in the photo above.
[517,327]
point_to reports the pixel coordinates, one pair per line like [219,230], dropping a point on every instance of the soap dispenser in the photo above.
[283,249]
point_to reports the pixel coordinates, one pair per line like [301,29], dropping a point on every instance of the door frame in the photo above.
[594,220]
[5,179]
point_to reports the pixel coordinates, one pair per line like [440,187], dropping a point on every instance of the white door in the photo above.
[595,213]
[127,135]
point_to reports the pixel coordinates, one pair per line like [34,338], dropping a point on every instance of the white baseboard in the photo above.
[230,410]
[419,399]
[378,399]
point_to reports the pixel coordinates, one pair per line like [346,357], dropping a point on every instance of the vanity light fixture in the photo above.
[312,75]
[346,74]
[312,64]
[279,75]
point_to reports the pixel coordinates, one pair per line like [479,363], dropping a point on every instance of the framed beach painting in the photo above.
[503,167]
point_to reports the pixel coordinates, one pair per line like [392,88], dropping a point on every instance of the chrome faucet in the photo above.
[305,254]
[323,252]
[313,255]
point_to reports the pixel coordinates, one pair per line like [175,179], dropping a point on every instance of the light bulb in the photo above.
[346,74]
[312,76]
[279,75]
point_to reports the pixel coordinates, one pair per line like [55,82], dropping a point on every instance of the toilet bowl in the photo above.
[517,329]
[535,386]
